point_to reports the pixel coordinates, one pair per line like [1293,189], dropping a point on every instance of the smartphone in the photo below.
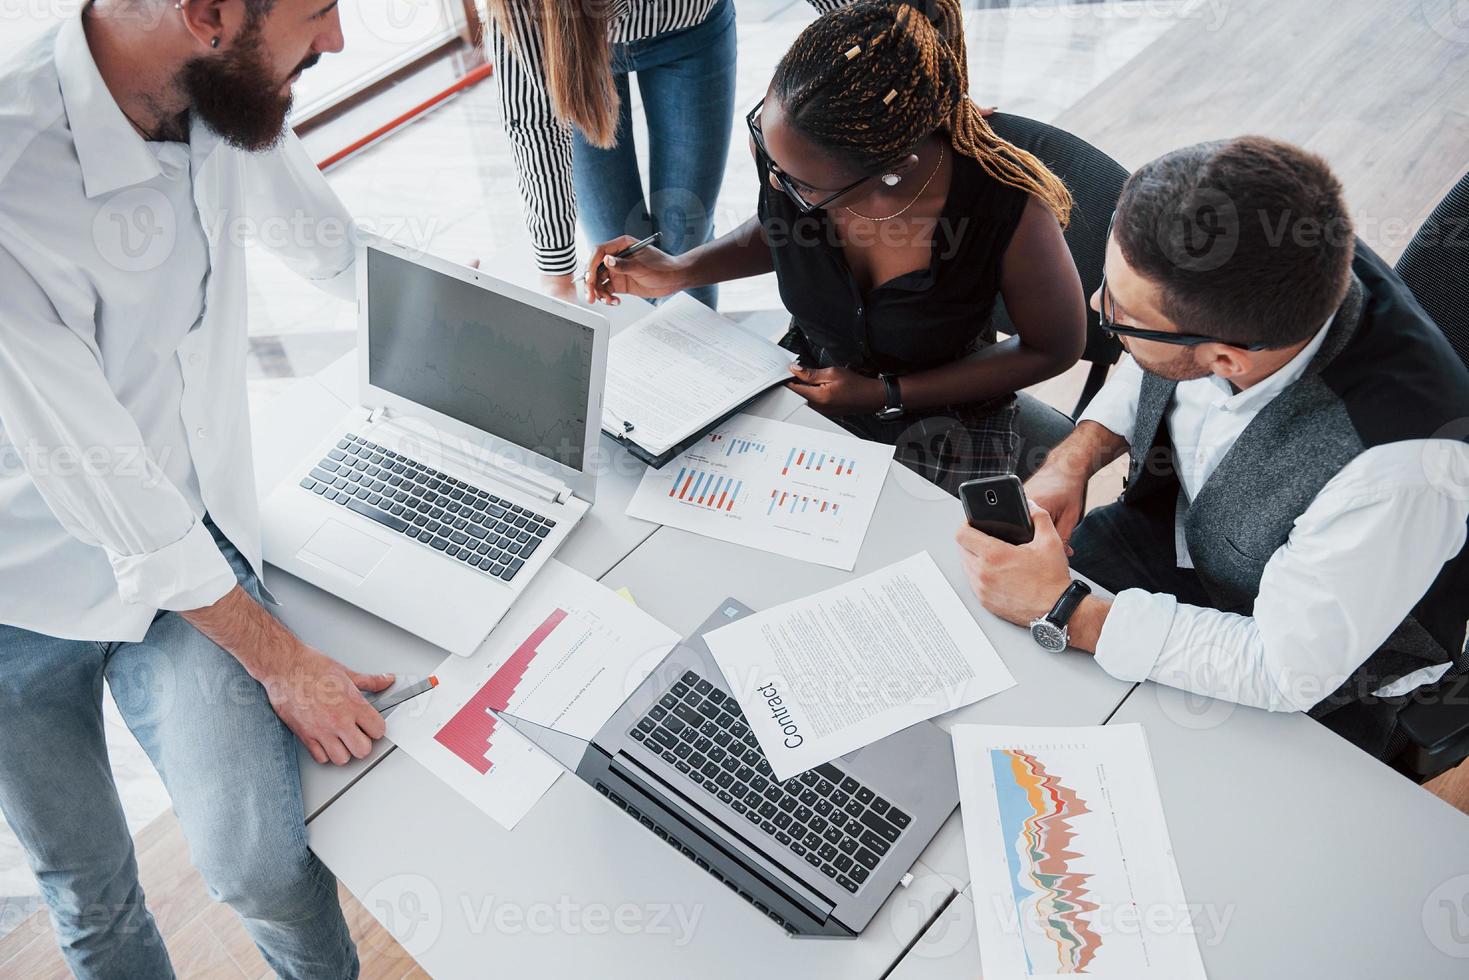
[996,505]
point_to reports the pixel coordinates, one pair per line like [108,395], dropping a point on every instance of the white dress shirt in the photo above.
[123,342]
[1356,562]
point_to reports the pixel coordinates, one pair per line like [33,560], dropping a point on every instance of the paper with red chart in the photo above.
[566,656]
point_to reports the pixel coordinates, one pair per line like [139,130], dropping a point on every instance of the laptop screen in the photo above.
[509,369]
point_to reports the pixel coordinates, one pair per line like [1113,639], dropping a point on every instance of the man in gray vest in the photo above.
[1291,533]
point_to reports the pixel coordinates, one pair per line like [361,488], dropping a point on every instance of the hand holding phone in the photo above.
[996,505]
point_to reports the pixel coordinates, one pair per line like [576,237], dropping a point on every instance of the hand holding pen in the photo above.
[635,267]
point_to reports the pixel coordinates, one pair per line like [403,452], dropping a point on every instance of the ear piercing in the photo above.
[214,41]
[891,179]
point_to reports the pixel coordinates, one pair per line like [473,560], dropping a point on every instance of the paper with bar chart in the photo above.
[1069,854]
[783,488]
[566,656]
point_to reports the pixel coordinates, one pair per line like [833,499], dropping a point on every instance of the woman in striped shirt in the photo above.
[563,70]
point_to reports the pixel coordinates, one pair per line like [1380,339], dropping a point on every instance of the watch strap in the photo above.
[1060,613]
[894,393]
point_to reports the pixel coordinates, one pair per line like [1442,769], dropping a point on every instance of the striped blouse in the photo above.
[540,143]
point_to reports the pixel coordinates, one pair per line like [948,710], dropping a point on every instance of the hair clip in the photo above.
[853,51]
[892,94]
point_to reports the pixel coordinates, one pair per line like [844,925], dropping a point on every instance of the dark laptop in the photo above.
[819,853]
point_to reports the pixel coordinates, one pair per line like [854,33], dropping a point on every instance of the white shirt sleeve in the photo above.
[86,457]
[1115,406]
[301,219]
[1356,562]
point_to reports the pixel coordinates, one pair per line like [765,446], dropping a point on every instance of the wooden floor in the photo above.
[1370,85]
[205,939]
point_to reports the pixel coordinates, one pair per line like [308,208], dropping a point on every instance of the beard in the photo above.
[1180,367]
[237,95]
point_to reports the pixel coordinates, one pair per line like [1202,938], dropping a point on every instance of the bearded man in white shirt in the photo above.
[1291,534]
[138,143]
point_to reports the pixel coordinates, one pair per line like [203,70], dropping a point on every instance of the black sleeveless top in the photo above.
[916,321]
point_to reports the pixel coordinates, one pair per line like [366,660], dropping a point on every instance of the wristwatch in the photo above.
[894,407]
[1050,630]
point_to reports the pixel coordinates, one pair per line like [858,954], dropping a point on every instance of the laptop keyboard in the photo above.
[471,525]
[826,817]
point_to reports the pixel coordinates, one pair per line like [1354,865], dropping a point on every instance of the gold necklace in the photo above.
[905,207]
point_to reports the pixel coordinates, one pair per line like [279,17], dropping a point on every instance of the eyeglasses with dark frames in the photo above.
[1107,318]
[787,184]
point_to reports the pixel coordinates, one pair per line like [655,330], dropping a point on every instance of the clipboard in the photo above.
[661,460]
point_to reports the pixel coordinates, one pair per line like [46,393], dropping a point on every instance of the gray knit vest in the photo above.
[1245,510]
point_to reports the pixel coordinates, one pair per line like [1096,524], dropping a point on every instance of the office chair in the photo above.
[1095,181]
[1435,267]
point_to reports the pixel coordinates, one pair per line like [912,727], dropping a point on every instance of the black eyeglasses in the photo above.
[1109,323]
[752,120]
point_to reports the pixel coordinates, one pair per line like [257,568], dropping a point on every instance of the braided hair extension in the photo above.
[870,81]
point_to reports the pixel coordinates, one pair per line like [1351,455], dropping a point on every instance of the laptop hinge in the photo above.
[492,465]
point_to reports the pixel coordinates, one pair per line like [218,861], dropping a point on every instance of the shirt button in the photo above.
[196,359]
[200,432]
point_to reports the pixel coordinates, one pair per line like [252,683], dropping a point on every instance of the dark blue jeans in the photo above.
[687,81]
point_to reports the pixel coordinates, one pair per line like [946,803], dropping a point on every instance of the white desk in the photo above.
[399,821]
[1305,856]
[1267,812]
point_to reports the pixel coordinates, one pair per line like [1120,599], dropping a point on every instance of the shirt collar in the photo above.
[111,152]
[1288,374]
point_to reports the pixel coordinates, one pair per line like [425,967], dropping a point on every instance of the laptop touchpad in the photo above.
[344,549]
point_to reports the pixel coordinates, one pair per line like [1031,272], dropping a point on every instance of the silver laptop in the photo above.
[817,854]
[469,460]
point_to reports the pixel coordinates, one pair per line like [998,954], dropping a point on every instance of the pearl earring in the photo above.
[891,179]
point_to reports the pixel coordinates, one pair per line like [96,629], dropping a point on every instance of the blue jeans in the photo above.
[229,764]
[687,80]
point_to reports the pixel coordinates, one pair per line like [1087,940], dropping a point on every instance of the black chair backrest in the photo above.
[1095,181]
[1435,265]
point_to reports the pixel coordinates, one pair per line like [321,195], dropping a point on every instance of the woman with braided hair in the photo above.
[894,217]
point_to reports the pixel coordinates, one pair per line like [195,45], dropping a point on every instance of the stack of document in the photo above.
[678,372]
[566,656]
[823,676]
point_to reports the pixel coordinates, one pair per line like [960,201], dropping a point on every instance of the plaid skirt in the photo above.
[949,445]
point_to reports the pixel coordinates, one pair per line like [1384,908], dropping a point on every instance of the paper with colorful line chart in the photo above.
[783,488]
[1073,873]
[566,656]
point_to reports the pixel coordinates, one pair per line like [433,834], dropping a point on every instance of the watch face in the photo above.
[1048,635]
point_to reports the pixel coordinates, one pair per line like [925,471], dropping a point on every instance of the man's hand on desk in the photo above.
[1020,583]
[320,700]
[838,390]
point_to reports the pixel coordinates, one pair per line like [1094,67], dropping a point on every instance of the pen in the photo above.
[632,250]
[384,702]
